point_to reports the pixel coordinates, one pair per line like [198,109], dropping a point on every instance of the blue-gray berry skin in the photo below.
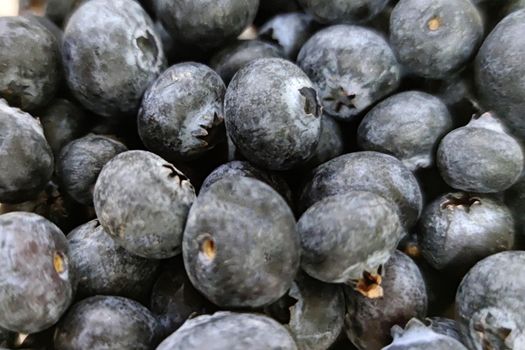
[273,115]
[235,56]
[346,236]
[434,38]
[289,31]
[343,11]
[459,229]
[312,311]
[374,172]
[480,157]
[408,125]
[353,67]
[30,71]
[245,169]
[80,163]
[36,280]
[444,326]
[104,268]
[62,122]
[111,53]
[240,245]
[206,24]
[368,321]
[142,201]
[181,113]
[417,336]
[500,73]
[331,142]
[26,160]
[106,323]
[515,199]
[489,303]
[230,331]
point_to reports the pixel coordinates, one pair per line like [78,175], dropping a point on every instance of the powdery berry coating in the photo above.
[459,229]
[30,68]
[106,323]
[353,67]
[347,11]
[273,115]
[36,279]
[366,171]
[240,245]
[368,321]
[80,163]
[142,202]
[480,157]
[434,38]
[489,303]
[181,113]
[228,330]
[408,125]
[111,53]
[104,268]
[500,72]
[417,336]
[206,23]
[344,237]
[26,160]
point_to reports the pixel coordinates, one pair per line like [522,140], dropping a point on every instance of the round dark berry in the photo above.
[444,326]
[347,11]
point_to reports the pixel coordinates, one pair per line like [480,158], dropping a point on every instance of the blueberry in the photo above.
[30,72]
[368,320]
[347,238]
[347,11]
[206,24]
[111,53]
[81,161]
[500,73]
[63,122]
[480,157]
[312,311]
[444,326]
[245,169]
[331,142]
[515,198]
[366,171]
[240,245]
[489,303]
[37,280]
[59,10]
[417,336]
[459,229]
[273,114]
[408,125]
[106,322]
[289,31]
[142,202]
[233,57]
[434,38]
[26,160]
[232,331]
[181,113]
[174,299]
[353,67]
[102,267]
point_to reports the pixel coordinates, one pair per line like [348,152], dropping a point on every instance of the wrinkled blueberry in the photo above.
[181,113]
[142,201]
[480,157]
[408,125]
[111,53]
[36,276]
[273,114]
[26,160]
[368,321]
[347,11]
[240,245]
[352,67]
[106,322]
[232,331]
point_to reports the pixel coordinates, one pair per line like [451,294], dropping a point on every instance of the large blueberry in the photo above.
[347,11]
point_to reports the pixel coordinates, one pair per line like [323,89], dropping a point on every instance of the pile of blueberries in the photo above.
[263,175]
